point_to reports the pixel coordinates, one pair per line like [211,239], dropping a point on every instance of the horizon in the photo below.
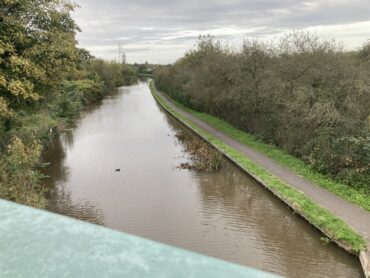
[163,31]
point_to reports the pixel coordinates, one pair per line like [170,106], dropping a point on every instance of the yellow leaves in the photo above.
[21,65]
[5,47]
[19,88]
[2,48]
[16,88]
[325,112]
[37,47]
[23,89]
[23,155]
[4,110]
[18,63]
[20,179]
[2,81]
[10,2]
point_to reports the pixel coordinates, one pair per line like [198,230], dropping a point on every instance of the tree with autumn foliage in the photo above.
[45,81]
[37,49]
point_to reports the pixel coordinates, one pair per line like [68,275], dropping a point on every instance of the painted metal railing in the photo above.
[36,243]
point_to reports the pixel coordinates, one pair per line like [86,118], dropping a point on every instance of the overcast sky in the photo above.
[160,31]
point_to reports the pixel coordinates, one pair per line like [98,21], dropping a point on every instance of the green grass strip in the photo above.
[299,167]
[335,228]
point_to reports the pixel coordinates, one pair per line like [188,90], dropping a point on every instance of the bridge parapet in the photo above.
[36,243]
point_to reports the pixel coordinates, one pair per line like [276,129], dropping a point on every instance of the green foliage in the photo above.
[73,95]
[329,224]
[30,124]
[358,196]
[128,75]
[364,52]
[304,95]
[19,176]
[145,69]
[4,111]
[111,73]
[37,47]
[45,81]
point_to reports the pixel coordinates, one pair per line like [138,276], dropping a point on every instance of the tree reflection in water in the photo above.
[60,200]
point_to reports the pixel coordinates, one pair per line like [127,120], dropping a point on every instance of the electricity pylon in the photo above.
[121,54]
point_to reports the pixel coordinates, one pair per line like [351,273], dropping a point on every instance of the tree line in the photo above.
[45,80]
[304,94]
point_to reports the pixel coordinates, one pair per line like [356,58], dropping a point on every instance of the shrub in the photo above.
[19,175]
[304,94]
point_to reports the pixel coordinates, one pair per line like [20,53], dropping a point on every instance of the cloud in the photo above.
[161,31]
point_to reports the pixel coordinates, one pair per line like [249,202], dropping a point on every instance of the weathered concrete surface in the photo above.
[356,217]
[365,262]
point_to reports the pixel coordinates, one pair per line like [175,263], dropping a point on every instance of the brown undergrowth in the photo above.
[203,156]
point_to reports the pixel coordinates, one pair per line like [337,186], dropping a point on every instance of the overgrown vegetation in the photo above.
[305,95]
[335,228]
[20,180]
[356,196]
[45,81]
[145,69]
[203,156]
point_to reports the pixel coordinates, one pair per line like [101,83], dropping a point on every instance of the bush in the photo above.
[305,95]
[45,80]
[19,176]
[111,73]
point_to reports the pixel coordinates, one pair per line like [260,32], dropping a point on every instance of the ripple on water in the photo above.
[223,214]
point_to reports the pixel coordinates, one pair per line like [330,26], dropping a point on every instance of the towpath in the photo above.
[356,217]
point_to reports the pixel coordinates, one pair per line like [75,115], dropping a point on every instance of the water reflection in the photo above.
[60,200]
[84,209]
[252,220]
[54,156]
[223,214]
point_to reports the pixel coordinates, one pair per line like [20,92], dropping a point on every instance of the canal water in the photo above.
[224,214]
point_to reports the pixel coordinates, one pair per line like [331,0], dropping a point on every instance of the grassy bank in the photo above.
[356,196]
[301,93]
[321,218]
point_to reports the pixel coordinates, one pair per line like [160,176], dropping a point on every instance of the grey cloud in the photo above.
[144,25]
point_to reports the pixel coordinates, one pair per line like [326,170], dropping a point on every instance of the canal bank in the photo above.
[224,214]
[344,223]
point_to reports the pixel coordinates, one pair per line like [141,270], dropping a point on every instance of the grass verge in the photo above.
[332,226]
[299,167]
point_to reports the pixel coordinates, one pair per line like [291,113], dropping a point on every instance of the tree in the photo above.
[304,94]
[37,48]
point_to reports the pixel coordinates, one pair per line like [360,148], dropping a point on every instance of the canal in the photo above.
[224,214]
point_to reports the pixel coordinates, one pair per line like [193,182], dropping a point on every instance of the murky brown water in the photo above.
[223,214]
